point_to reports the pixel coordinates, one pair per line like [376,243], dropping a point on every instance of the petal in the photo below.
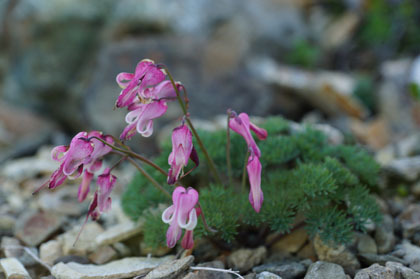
[128,94]
[152,77]
[173,235]
[128,132]
[106,183]
[187,202]
[192,220]
[241,125]
[260,132]
[78,153]
[188,240]
[256,196]
[123,79]
[163,90]
[99,148]
[57,178]
[57,153]
[84,186]
[168,214]
[145,121]
[134,114]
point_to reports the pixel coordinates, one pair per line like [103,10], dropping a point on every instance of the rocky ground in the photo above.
[38,234]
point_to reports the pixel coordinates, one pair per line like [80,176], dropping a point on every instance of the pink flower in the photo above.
[241,125]
[71,158]
[181,215]
[150,105]
[94,163]
[146,74]
[106,183]
[182,151]
[256,196]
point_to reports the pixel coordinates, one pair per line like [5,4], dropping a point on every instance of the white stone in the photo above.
[118,233]
[13,269]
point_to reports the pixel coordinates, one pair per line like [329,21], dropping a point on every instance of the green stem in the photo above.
[228,163]
[187,119]
[132,154]
[244,171]
[151,179]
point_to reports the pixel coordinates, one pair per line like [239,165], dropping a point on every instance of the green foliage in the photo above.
[303,175]
[155,232]
[304,54]
[364,91]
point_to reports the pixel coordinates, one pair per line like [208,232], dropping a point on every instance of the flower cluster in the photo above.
[145,94]
[241,125]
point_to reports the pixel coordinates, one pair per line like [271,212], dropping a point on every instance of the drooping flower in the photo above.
[94,163]
[181,215]
[256,196]
[106,183]
[241,125]
[146,74]
[182,151]
[150,104]
[72,158]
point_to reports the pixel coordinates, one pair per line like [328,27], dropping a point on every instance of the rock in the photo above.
[50,251]
[72,258]
[366,244]
[25,132]
[338,254]
[369,259]
[267,275]
[285,269]
[250,276]
[307,252]
[244,259]
[7,224]
[406,168]
[402,271]
[62,201]
[125,268]
[331,92]
[170,269]
[206,274]
[12,249]
[411,254]
[375,272]
[410,220]
[321,270]
[118,233]
[290,243]
[384,235]
[340,30]
[35,227]
[103,255]
[86,241]
[13,269]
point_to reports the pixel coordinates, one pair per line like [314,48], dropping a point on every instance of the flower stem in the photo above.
[244,172]
[148,177]
[228,163]
[132,154]
[187,119]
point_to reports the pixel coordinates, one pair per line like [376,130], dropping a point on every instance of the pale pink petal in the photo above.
[77,154]
[145,121]
[173,234]
[256,196]
[84,186]
[123,79]
[192,220]
[168,214]
[188,240]
[187,202]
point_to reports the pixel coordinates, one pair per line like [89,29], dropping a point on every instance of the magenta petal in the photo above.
[106,183]
[84,186]
[173,235]
[260,132]
[57,153]
[256,196]
[152,77]
[78,153]
[128,132]
[163,90]
[123,79]
[187,202]
[241,125]
[188,240]
[57,178]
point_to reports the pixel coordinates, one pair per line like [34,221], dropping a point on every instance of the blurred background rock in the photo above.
[351,64]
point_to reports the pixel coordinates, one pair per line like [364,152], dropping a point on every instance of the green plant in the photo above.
[303,175]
